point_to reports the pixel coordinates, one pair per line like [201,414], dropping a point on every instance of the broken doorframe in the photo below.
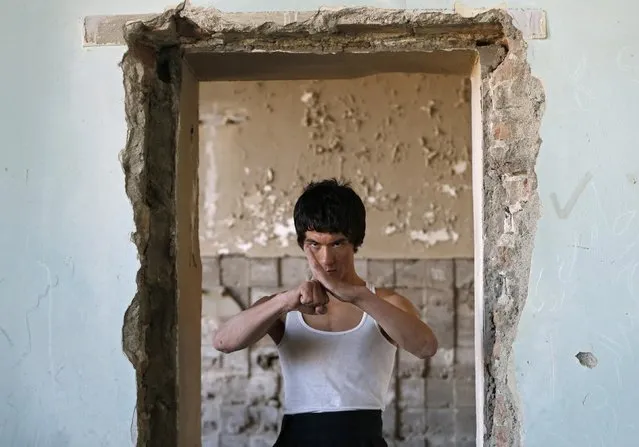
[507,105]
[477,164]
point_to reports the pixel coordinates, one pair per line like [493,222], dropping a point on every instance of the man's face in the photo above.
[333,251]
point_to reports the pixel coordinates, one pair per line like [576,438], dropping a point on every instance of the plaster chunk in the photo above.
[435,236]
[587,359]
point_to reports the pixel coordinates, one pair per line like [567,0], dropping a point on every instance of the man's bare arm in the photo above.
[400,321]
[267,316]
[250,325]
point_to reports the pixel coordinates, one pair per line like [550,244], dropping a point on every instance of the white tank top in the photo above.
[335,371]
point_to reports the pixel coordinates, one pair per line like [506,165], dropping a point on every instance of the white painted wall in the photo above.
[67,268]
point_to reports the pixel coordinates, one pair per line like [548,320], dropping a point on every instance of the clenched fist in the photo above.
[309,298]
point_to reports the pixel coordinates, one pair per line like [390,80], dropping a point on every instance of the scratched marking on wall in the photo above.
[564,212]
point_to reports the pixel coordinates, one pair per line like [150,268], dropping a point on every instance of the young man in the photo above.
[336,334]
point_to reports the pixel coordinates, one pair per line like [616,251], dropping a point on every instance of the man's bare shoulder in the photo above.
[391,296]
[384,293]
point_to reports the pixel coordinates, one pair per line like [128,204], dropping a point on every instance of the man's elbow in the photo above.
[429,349]
[221,344]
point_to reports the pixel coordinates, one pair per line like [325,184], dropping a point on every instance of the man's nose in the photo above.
[327,258]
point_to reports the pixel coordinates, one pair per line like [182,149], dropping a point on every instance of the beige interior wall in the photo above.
[402,139]
[189,267]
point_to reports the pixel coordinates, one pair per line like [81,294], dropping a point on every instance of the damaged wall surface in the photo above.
[68,267]
[401,139]
[152,84]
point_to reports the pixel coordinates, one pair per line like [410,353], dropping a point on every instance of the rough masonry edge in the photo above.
[155,48]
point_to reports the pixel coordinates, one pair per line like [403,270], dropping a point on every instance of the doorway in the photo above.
[403,140]
[170,56]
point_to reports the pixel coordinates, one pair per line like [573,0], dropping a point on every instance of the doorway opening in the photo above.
[403,139]
[169,60]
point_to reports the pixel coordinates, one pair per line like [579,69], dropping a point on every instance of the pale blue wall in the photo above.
[67,268]
[584,293]
[66,221]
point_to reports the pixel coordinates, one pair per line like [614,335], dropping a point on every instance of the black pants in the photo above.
[358,428]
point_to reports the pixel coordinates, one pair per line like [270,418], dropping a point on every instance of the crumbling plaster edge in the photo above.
[505,277]
[108,30]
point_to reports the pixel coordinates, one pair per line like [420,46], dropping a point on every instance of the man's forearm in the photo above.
[250,325]
[407,330]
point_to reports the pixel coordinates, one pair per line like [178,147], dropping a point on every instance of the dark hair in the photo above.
[330,206]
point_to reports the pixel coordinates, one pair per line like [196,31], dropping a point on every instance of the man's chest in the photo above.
[335,320]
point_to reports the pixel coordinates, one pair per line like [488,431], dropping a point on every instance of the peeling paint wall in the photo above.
[402,140]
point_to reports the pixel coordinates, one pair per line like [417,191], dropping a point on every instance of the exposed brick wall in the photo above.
[430,401]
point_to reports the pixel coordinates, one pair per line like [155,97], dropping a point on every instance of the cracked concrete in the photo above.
[512,106]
